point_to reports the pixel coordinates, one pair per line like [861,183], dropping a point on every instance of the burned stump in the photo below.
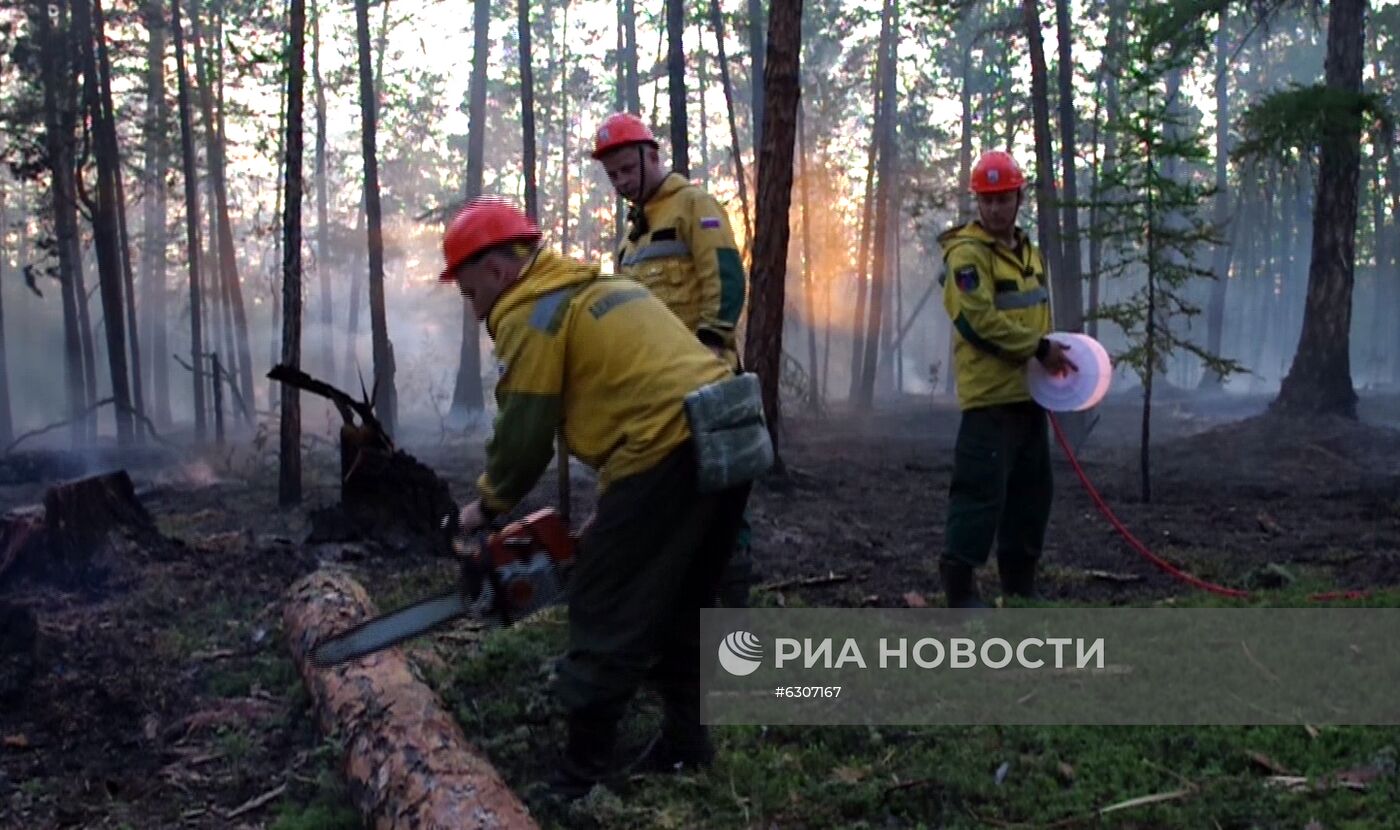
[407,761]
[386,495]
[69,539]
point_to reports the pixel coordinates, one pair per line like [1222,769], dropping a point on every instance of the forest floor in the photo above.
[165,696]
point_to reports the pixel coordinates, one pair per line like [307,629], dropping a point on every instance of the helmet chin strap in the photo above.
[637,215]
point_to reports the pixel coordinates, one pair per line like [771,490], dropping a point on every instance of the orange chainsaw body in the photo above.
[528,560]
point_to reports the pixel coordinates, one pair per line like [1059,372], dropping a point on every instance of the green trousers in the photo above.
[1002,485]
[651,560]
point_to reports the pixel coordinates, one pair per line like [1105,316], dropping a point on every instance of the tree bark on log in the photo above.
[407,760]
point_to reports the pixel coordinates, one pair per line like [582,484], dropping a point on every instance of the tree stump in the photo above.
[68,540]
[386,494]
[407,760]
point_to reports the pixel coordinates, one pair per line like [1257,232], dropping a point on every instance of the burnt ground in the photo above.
[162,695]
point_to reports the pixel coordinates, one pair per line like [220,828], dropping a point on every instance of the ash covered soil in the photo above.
[162,695]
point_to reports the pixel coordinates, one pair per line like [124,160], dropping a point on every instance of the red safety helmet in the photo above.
[483,223]
[995,172]
[619,130]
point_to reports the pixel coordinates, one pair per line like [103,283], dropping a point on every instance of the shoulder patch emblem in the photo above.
[709,222]
[966,279]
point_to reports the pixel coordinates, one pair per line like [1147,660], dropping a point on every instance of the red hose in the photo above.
[1161,563]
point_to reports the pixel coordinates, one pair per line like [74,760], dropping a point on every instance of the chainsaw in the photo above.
[506,576]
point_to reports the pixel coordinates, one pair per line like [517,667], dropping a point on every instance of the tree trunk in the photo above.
[1047,204]
[323,244]
[884,172]
[1091,324]
[809,288]
[763,347]
[467,394]
[756,80]
[527,108]
[59,112]
[1220,265]
[275,300]
[633,88]
[965,211]
[105,224]
[566,128]
[1319,381]
[230,292]
[675,71]
[703,75]
[385,397]
[153,301]
[289,478]
[7,427]
[1069,299]
[1149,339]
[867,212]
[104,67]
[408,762]
[717,23]
[191,218]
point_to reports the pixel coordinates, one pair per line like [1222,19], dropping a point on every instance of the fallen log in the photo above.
[407,760]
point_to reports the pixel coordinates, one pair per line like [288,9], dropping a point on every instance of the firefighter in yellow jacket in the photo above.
[995,292]
[680,245]
[605,359]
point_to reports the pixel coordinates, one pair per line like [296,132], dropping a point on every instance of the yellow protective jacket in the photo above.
[1000,307]
[686,255]
[600,354]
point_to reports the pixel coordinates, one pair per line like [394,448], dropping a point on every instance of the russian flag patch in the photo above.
[709,222]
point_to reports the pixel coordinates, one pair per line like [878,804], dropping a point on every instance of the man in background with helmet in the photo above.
[680,245]
[604,358]
[996,293]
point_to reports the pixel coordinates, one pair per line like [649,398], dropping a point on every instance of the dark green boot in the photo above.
[960,585]
[1017,576]
[587,760]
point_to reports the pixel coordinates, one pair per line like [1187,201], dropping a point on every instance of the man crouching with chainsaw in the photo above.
[605,360]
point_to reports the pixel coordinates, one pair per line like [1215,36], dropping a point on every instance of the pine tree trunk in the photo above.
[58,68]
[877,89]
[274,400]
[386,399]
[633,88]
[1047,204]
[191,219]
[809,288]
[755,72]
[527,108]
[467,394]
[704,78]
[323,244]
[868,332]
[104,66]
[566,128]
[1319,381]
[1220,265]
[763,346]
[717,23]
[1069,300]
[105,224]
[153,288]
[7,427]
[230,293]
[289,478]
[675,71]
[965,213]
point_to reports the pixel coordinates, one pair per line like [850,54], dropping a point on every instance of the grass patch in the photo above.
[853,777]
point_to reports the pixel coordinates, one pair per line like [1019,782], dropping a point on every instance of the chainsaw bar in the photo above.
[392,628]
